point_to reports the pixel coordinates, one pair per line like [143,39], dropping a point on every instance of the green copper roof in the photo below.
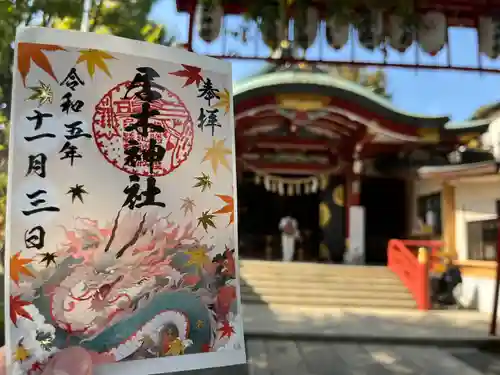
[325,84]
[274,81]
[468,126]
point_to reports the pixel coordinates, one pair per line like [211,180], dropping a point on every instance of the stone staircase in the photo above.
[325,285]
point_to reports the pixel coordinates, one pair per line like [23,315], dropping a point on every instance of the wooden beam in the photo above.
[289,167]
[448,215]
[287,142]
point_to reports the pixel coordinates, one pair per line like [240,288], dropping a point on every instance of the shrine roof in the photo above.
[466,126]
[279,81]
[451,171]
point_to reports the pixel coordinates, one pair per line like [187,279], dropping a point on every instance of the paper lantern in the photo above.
[489,36]
[400,35]
[371,29]
[432,32]
[337,32]
[272,33]
[209,20]
[306,28]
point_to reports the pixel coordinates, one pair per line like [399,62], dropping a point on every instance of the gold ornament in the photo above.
[324,252]
[338,195]
[324,214]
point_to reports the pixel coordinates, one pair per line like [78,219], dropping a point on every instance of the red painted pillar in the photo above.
[191,27]
[347,202]
[355,190]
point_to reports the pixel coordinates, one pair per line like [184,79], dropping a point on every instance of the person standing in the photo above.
[289,234]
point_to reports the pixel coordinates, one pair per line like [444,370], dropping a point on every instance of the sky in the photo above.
[450,93]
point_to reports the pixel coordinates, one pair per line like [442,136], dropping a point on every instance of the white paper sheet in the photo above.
[121,230]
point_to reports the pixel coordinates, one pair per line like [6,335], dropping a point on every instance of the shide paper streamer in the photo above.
[121,227]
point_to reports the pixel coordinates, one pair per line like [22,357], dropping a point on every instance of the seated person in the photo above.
[443,287]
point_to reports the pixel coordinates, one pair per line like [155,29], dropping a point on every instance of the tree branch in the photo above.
[96,16]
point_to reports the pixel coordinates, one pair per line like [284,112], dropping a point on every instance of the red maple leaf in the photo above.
[17,309]
[36,368]
[192,73]
[226,330]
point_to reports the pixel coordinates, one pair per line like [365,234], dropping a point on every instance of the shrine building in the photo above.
[340,159]
[368,183]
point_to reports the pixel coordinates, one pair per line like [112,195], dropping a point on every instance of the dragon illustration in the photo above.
[117,287]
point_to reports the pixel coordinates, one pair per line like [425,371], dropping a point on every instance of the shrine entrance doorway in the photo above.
[260,212]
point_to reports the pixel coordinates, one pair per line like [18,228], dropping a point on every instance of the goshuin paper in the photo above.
[121,227]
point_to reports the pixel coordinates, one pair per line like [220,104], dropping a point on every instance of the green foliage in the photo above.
[126,18]
[486,111]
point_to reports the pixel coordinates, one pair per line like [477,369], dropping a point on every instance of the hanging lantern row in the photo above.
[292,186]
[374,28]
[489,36]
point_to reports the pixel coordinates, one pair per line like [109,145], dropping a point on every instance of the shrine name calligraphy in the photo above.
[137,198]
[144,88]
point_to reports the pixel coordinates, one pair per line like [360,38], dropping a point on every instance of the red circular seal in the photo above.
[154,147]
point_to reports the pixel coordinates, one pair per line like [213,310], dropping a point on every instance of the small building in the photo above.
[459,198]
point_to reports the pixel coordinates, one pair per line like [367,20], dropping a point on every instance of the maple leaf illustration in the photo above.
[18,266]
[95,59]
[37,367]
[76,192]
[48,258]
[42,93]
[45,339]
[27,52]
[228,208]
[203,181]
[17,309]
[187,205]
[191,73]
[206,220]
[197,257]
[226,330]
[217,154]
[21,354]
[224,101]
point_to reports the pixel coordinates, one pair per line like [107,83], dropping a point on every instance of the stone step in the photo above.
[311,278]
[324,293]
[322,283]
[273,263]
[374,302]
[316,269]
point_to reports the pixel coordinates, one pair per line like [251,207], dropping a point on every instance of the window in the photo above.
[482,239]
[429,212]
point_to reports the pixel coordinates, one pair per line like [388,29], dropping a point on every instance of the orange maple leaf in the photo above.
[27,52]
[228,208]
[18,266]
